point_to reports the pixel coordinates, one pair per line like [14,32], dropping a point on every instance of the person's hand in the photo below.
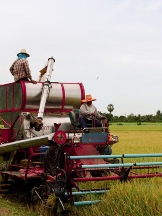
[34,82]
[93,114]
[103,117]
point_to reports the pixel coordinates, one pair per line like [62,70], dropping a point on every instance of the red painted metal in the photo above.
[6,134]
[33,152]
[82,92]
[24,94]
[6,97]
[50,110]
[59,137]
[63,96]
[81,149]
[116,177]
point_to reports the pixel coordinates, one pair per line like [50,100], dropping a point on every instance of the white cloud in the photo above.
[154,5]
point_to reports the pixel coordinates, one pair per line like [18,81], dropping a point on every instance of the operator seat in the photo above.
[74,118]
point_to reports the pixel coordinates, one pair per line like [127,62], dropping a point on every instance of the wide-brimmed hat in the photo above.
[88,98]
[23,51]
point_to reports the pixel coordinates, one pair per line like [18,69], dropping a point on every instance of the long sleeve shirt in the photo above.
[20,69]
[86,111]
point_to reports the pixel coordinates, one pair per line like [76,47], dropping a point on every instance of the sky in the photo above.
[114,47]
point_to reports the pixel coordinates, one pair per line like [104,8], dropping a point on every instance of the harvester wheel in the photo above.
[61,182]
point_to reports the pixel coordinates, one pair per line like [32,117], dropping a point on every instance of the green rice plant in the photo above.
[8,208]
[138,197]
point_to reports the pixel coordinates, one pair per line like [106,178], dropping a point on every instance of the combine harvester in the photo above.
[43,145]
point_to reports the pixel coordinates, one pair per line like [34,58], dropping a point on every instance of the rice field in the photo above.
[138,197]
[133,138]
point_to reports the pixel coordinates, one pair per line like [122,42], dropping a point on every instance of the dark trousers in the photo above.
[22,79]
[84,122]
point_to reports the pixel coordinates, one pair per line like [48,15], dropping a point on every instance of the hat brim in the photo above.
[23,53]
[87,100]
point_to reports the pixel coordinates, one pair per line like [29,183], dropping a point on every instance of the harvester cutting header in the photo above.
[53,136]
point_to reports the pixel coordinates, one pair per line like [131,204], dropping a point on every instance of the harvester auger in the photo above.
[42,144]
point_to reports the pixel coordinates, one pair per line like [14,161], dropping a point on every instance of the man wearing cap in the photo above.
[88,111]
[20,68]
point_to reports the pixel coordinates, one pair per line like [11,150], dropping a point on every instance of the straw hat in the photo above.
[88,98]
[23,51]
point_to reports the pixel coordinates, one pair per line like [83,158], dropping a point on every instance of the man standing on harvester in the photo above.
[20,68]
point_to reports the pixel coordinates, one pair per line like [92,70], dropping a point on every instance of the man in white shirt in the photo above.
[88,112]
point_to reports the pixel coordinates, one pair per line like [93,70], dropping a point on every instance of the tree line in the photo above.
[131,117]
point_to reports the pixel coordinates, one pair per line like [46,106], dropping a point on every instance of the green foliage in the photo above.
[110,108]
[133,118]
[1,121]
[8,208]
[129,127]
[139,197]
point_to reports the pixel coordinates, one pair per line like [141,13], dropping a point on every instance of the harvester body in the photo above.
[24,138]
[42,138]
